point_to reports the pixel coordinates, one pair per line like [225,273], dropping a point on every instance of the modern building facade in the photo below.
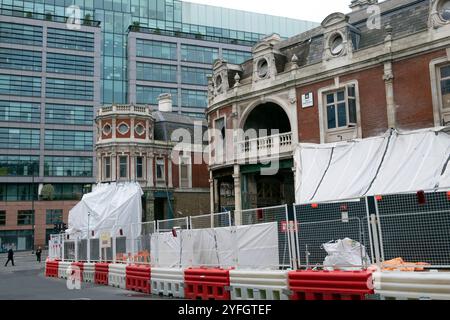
[49,87]
[55,73]
[347,79]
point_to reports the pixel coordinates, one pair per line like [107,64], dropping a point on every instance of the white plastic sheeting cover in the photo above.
[111,207]
[393,163]
[254,246]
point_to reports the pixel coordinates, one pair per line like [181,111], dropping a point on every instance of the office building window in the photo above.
[25,217]
[54,216]
[2,218]
[194,99]
[123,167]
[20,85]
[16,166]
[68,166]
[70,64]
[18,192]
[69,114]
[196,76]
[156,49]
[20,59]
[160,169]
[69,89]
[139,167]
[444,81]
[236,57]
[107,167]
[149,95]
[70,191]
[199,54]
[20,111]
[20,34]
[69,39]
[341,108]
[19,138]
[156,72]
[69,140]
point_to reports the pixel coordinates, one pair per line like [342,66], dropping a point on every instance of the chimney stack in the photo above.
[356,5]
[165,102]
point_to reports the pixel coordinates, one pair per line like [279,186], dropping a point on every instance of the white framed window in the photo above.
[123,167]
[107,167]
[340,108]
[139,167]
[185,172]
[160,170]
[444,92]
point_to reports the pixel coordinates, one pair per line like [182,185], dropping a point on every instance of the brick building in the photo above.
[359,74]
[136,144]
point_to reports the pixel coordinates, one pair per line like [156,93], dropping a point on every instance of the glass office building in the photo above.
[53,79]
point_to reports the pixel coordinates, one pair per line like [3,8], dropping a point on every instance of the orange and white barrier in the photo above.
[259,285]
[412,285]
[168,282]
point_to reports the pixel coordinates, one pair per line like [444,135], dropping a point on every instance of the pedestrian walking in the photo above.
[38,254]
[10,257]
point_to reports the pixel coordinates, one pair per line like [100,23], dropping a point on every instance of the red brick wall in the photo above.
[372,97]
[412,89]
[40,208]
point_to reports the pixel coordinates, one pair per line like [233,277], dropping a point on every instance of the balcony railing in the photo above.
[265,147]
[123,109]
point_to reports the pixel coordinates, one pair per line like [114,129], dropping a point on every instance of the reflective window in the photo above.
[19,138]
[69,89]
[197,76]
[69,39]
[160,169]
[149,95]
[20,59]
[68,140]
[139,167]
[20,85]
[54,216]
[11,165]
[70,64]
[199,54]
[20,111]
[194,99]
[18,192]
[107,167]
[445,86]
[69,114]
[2,218]
[123,167]
[156,49]
[156,72]
[68,166]
[20,34]
[25,217]
[236,57]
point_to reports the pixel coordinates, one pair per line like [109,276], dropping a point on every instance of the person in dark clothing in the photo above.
[10,257]
[38,254]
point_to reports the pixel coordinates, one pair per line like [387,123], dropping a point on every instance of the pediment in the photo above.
[334,18]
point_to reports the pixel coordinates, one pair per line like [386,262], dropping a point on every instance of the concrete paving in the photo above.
[26,281]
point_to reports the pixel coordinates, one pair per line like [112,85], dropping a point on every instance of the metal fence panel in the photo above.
[321,223]
[168,225]
[69,250]
[215,220]
[279,215]
[415,227]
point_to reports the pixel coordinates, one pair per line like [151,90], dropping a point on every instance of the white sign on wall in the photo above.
[105,240]
[307,100]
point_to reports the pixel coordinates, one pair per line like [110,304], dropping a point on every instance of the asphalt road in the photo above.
[26,281]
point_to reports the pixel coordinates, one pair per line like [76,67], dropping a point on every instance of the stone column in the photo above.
[211,192]
[388,78]
[169,171]
[132,160]
[237,196]
[113,167]
[150,172]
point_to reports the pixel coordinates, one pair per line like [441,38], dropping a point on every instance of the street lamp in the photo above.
[32,205]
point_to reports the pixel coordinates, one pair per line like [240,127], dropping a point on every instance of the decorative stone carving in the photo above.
[265,58]
[337,36]
[435,19]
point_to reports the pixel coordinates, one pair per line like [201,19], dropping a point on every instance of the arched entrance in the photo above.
[267,117]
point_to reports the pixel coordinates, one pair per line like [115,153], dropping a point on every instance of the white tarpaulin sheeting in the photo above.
[254,246]
[393,163]
[108,208]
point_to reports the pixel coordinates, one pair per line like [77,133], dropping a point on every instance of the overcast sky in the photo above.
[312,10]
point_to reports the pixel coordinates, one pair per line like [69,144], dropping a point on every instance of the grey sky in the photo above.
[312,10]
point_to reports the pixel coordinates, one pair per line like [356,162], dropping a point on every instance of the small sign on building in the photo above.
[307,100]
[105,240]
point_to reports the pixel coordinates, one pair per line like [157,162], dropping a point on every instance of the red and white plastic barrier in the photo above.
[51,268]
[412,285]
[101,273]
[117,275]
[168,282]
[330,285]
[259,285]
[89,272]
[138,278]
[63,267]
[207,284]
